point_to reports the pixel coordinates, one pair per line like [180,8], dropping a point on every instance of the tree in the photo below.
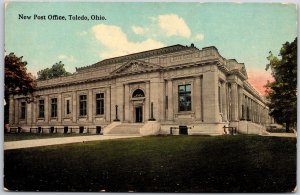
[57,70]
[17,80]
[282,92]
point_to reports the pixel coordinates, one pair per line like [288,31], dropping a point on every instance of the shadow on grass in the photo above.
[157,164]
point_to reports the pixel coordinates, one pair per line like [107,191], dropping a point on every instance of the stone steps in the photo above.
[126,129]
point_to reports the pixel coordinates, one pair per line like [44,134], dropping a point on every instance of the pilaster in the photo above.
[47,109]
[126,102]
[210,97]
[28,113]
[17,111]
[234,101]
[60,107]
[170,100]
[11,110]
[147,101]
[240,97]
[224,101]
[90,104]
[197,98]
[108,105]
[74,106]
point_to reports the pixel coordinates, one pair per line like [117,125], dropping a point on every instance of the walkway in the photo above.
[56,141]
[282,135]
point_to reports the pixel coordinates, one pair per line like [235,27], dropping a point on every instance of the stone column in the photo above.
[90,107]
[234,101]
[34,111]
[60,108]
[246,107]
[196,98]
[126,102]
[107,104]
[147,101]
[113,101]
[47,108]
[170,100]
[120,101]
[155,92]
[11,110]
[16,110]
[228,99]
[74,106]
[210,97]
[241,95]
[161,101]
[28,113]
[224,101]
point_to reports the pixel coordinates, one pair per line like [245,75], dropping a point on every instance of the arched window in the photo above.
[138,93]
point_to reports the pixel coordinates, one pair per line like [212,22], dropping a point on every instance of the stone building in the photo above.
[151,92]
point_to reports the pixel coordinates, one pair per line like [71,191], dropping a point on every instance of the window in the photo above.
[41,108]
[138,93]
[23,110]
[100,104]
[184,97]
[68,111]
[54,107]
[82,105]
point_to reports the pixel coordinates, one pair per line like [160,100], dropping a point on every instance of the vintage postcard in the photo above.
[150,97]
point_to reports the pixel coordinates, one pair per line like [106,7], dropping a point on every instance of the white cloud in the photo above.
[66,58]
[116,42]
[138,30]
[173,25]
[82,33]
[199,37]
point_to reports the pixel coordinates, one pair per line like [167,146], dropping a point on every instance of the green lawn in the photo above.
[157,164]
[26,136]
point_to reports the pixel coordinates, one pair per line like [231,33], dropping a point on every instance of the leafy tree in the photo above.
[17,80]
[282,92]
[57,70]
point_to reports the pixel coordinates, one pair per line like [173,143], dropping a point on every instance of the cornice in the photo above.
[134,56]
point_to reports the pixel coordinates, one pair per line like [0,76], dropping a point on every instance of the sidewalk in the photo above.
[282,135]
[56,141]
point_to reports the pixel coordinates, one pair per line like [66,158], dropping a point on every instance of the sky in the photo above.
[242,31]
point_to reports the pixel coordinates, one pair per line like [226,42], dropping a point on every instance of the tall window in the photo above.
[68,111]
[184,97]
[99,103]
[41,108]
[54,107]
[82,105]
[23,110]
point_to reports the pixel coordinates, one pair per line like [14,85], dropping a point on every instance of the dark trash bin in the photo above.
[81,129]
[183,130]
[51,129]
[39,129]
[66,129]
[19,130]
[98,129]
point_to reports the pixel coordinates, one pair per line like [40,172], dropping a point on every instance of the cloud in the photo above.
[259,78]
[82,33]
[199,37]
[139,30]
[65,58]
[116,42]
[173,25]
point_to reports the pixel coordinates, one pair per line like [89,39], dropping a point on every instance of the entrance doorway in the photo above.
[139,114]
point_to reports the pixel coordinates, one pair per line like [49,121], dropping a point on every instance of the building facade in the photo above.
[151,92]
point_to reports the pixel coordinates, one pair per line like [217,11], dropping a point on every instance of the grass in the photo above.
[27,136]
[157,164]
